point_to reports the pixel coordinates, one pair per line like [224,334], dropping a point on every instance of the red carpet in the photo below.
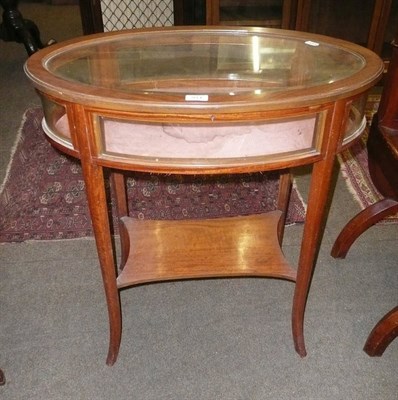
[43,195]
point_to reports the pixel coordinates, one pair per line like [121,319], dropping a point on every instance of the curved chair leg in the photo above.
[16,28]
[385,331]
[360,223]
[2,377]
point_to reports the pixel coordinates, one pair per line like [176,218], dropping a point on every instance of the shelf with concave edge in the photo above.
[163,250]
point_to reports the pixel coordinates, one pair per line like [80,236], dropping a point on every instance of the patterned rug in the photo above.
[43,198]
[353,166]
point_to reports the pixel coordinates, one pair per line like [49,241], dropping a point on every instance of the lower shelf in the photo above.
[210,248]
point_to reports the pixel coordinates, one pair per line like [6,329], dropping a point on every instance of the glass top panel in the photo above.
[199,64]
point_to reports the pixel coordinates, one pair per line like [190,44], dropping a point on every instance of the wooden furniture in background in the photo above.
[382,149]
[384,332]
[14,28]
[370,23]
[266,13]
[177,101]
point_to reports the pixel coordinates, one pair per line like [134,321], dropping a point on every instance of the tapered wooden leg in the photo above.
[97,201]
[119,187]
[385,331]
[321,180]
[360,223]
[285,189]
[313,228]
[96,196]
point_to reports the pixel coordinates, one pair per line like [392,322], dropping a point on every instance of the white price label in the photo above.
[197,97]
[311,43]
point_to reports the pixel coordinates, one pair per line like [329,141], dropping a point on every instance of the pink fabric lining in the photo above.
[207,141]
[62,126]
[203,141]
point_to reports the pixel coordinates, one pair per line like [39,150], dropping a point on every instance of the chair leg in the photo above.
[360,223]
[2,377]
[16,28]
[385,331]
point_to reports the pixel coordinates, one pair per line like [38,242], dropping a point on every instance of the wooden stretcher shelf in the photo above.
[237,246]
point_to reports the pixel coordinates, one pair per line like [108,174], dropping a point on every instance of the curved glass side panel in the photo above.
[55,123]
[356,120]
